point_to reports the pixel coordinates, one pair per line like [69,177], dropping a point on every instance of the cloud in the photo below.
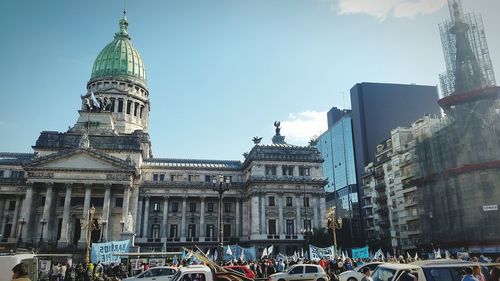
[300,127]
[382,9]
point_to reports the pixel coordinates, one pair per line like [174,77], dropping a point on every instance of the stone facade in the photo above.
[105,161]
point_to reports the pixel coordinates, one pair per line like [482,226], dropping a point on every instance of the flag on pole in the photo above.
[270,250]
[95,103]
[377,254]
[228,251]
[302,253]
[446,254]
[408,255]
[438,253]
[343,257]
[208,252]
[416,256]
[388,255]
[264,253]
[175,261]
[216,255]
[242,254]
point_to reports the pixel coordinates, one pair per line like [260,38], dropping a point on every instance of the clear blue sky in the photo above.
[220,71]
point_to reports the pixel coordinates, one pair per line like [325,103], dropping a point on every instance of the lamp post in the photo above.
[42,222]
[220,185]
[333,222]
[104,232]
[307,232]
[20,238]
[90,226]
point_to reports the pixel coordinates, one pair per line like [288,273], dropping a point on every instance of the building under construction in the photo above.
[459,173]
[477,40]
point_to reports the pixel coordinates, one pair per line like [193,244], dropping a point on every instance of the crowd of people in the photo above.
[262,269]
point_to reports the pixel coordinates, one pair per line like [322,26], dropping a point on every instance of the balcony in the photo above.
[273,236]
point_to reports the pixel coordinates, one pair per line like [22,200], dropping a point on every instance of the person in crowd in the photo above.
[468,276]
[408,276]
[495,273]
[367,274]
[20,273]
[476,271]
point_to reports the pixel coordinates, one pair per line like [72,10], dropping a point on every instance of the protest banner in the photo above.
[316,253]
[104,252]
[360,253]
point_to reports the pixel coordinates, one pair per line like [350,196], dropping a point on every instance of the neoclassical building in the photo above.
[105,161]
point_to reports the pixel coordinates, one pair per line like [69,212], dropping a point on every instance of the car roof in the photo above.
[445,263]
[196,267]
[398,266]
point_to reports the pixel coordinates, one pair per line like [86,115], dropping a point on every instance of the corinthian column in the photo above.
[46,210]
[64,240]
[26,210]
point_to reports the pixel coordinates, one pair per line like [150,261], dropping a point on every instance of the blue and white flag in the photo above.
[105,252]
[95,102]
[360,253]
[316,253]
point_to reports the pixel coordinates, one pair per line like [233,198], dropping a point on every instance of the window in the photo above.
[311,269]
[12,205]
[140,112]
[136,106]
[192,230]
[120,105]
[175,207]
[271,200]
[129,106]
[304,171]
[297,270]
[227,207]
[173,231]
[290,230]
[155,177]
[210,207]
[270,170]
[208,178]
[112,107]
[227,230]
[2,174]
[190,177]
[156,206]
[306,201]
[155,231]
[210,230]
[192,207]
[118,202]
[272,227]
[61,201]
[307,225]
[289,201]
[287,170]
[162,177]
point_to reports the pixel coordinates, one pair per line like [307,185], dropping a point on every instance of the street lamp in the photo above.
[333,222]
[307,232]
[220,185]
[104,232]
[42,222]
[20,238]
[90,226]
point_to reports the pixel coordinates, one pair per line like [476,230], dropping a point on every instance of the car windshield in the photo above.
[383,274]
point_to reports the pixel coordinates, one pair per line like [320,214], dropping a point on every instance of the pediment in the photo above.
[81,159]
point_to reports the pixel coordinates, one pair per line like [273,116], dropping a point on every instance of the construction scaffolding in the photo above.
[477,38]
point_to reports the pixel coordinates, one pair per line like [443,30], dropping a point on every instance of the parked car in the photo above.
[159,273]
[310,272]
[243,269]
[430,270]
[357,273]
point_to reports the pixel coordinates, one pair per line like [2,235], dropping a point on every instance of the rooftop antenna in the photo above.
[124,8]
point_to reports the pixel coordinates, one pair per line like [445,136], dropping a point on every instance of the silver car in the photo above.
[159,273]
[308,272]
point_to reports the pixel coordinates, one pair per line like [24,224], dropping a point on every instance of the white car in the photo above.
[357,273]
[159,273]
[310,272]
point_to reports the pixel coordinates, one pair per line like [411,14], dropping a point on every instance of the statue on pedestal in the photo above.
[129,223]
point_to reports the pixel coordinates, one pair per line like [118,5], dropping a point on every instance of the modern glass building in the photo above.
[337,149]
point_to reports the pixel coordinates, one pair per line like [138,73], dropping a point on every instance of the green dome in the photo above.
[119,59]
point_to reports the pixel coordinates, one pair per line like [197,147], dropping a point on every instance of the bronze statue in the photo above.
[277,125]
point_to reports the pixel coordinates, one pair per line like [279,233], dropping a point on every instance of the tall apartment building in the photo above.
[377,108]
[391,201]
